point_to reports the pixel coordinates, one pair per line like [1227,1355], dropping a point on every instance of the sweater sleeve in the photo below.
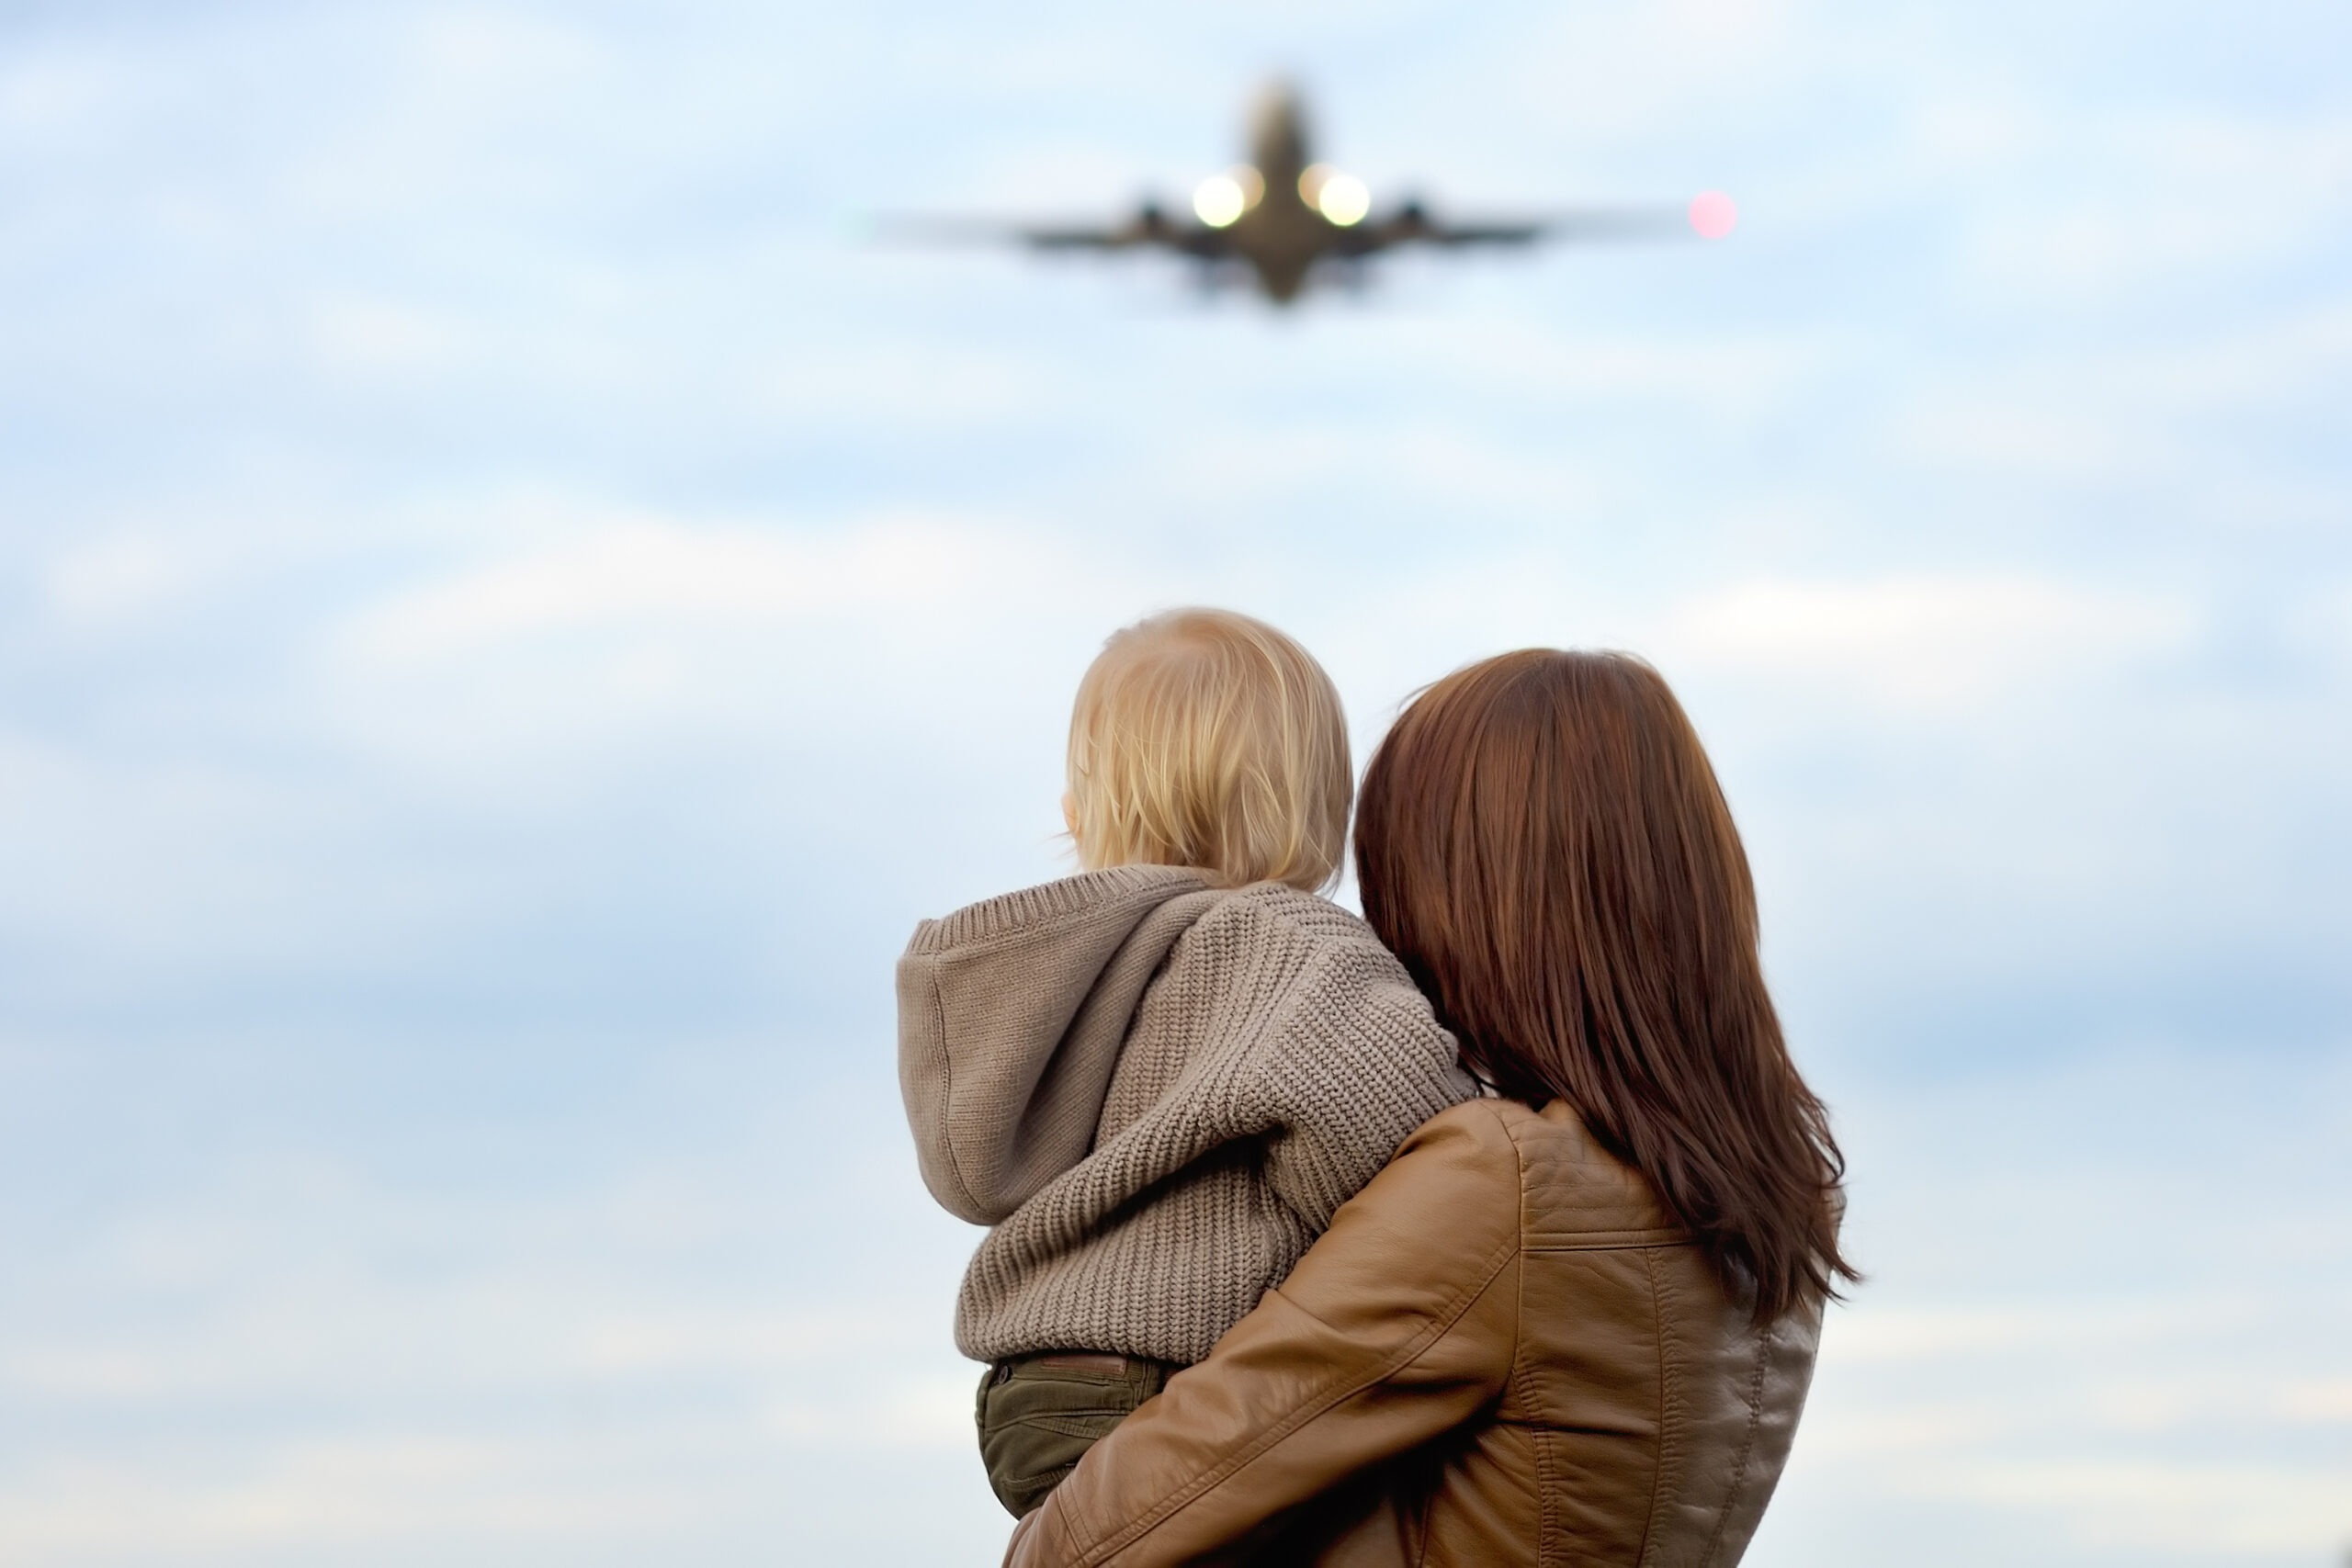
[1399,1325]
[1359,1062]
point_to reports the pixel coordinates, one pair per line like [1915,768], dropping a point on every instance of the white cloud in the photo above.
[115,579]
[2328,1401]
[2031,433]
[2129,201]
[508,1375]
[751,631]
[327,1497]
[47,94]
[2162,1424]
[650,572]
[894,1414]
[2169,1506]
[363,335]
[1926,642]
[2139,418]
[2037,1364]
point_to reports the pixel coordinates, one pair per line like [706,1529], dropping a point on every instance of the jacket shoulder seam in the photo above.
[1612,1240]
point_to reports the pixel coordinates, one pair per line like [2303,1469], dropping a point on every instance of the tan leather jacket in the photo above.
[1503,1351]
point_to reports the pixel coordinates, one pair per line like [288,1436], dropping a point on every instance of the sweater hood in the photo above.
[1022,1000]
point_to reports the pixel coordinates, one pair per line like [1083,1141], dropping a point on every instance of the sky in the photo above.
[513,601]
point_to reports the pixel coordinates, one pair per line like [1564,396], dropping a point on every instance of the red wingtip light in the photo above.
[1713,214]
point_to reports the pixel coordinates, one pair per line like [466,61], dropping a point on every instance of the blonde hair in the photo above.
[1206,739]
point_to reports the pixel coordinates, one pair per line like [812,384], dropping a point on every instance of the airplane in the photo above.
[1290,220]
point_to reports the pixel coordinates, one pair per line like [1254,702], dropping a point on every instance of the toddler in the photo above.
[1156,1081]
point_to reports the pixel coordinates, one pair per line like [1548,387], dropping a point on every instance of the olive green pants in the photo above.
[1038,1414]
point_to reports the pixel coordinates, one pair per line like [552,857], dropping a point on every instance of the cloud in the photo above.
[2035,1363]
[651,1354]
[366,336]
[2134,200]
[757,636]
[49,93]
[653,573]
[2170,1508]
[114,581]
[1914,643]
[2143,421]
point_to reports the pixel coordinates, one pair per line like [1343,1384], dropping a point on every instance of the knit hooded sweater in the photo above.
[1155,1093]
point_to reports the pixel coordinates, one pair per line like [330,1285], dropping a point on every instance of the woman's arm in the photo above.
[1400,1325]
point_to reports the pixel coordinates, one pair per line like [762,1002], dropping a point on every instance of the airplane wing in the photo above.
[1073,239]
[1149,226]
[1412,224]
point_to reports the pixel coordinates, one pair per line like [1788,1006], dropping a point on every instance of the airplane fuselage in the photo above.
[1280,234]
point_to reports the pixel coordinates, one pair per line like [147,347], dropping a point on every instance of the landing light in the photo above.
[1340,197]
[1221,199]
[1218,200]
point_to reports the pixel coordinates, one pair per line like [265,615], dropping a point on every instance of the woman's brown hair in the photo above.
[1541,841]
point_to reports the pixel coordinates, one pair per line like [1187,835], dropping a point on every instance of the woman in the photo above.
[1572,1321]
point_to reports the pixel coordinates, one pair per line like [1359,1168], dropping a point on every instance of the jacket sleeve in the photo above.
[1398,1325]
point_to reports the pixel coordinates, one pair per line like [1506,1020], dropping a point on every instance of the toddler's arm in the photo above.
[1361,1062]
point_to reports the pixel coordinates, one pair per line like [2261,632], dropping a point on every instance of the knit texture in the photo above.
[1156,1094]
